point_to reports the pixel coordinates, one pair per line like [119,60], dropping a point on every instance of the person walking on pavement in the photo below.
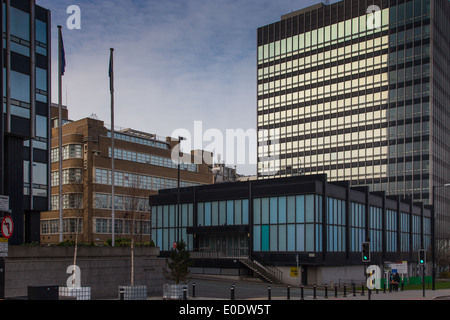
[391,282]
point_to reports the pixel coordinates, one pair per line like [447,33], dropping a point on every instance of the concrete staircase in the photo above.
[267,273]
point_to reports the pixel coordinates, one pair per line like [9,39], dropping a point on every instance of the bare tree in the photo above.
[74,187]
[443,252]
[133,202]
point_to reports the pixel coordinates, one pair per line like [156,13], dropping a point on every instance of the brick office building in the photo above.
[142,165]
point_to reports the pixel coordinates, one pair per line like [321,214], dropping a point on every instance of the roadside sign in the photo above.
[3,247]
[7,227]
[4,203]
[401,268]
[294,272]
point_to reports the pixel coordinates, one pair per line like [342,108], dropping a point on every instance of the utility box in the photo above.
[43,293]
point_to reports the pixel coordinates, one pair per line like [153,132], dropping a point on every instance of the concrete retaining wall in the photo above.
[103,269]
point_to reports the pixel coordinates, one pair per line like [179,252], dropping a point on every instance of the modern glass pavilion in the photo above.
[278,221]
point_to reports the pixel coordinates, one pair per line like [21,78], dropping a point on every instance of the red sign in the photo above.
[174,245]
[7,227]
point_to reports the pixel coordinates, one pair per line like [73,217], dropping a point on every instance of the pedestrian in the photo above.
[396,281]
[391,282]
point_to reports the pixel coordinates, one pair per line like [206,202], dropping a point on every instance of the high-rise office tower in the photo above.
[24,122]
[359,90]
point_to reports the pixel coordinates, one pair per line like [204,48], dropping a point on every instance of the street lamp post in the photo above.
[433,236]
[178,189]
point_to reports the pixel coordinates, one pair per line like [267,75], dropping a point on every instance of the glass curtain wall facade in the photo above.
[287,224]
[274,220]
[25,114]
[358,96]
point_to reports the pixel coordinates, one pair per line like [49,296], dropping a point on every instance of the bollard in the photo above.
[326,291]
[345,290]
[269,293]
[314,290]
[403,286]
[335,290]
[184,293]
[384,287]
[370,292]
[232,292]
[362,290]
[289,292]
[122,293]
[354,289]
[302,297]
[193,290]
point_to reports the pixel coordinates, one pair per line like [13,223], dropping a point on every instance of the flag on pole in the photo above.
[111,71]
[63,55]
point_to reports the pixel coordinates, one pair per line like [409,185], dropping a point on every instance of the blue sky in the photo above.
[176,61]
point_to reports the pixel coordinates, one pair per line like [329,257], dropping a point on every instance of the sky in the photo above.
[176,62]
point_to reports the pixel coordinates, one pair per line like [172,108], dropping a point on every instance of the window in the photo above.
[376,229]
[41,126]
[336,225]
[404,232]
[40,173]
[357,226]
[41,31]
[391,230]
[20,86]
[41,79]
[20,24]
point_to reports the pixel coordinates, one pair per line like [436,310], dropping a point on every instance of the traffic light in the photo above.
[366,252]
[422,256]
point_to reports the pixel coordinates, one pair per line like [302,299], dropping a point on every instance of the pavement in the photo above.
[388,296]
[399,295]
[219,289]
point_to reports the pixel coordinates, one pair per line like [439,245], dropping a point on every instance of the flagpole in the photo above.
[111,86]
[60,71]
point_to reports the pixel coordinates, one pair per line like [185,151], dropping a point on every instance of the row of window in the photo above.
[288,225]
[289,237]
[408,10]
[219,213]
[71,151]
[321,37]
[101,226]
[166,216]
[132,180]
[70,176]
[69,201]
[164,238]
[69,226]
[122,226]
[345,133]
[367,54]
[121,203]
[169,223]
[133,156]
[292,223]
[133,139]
